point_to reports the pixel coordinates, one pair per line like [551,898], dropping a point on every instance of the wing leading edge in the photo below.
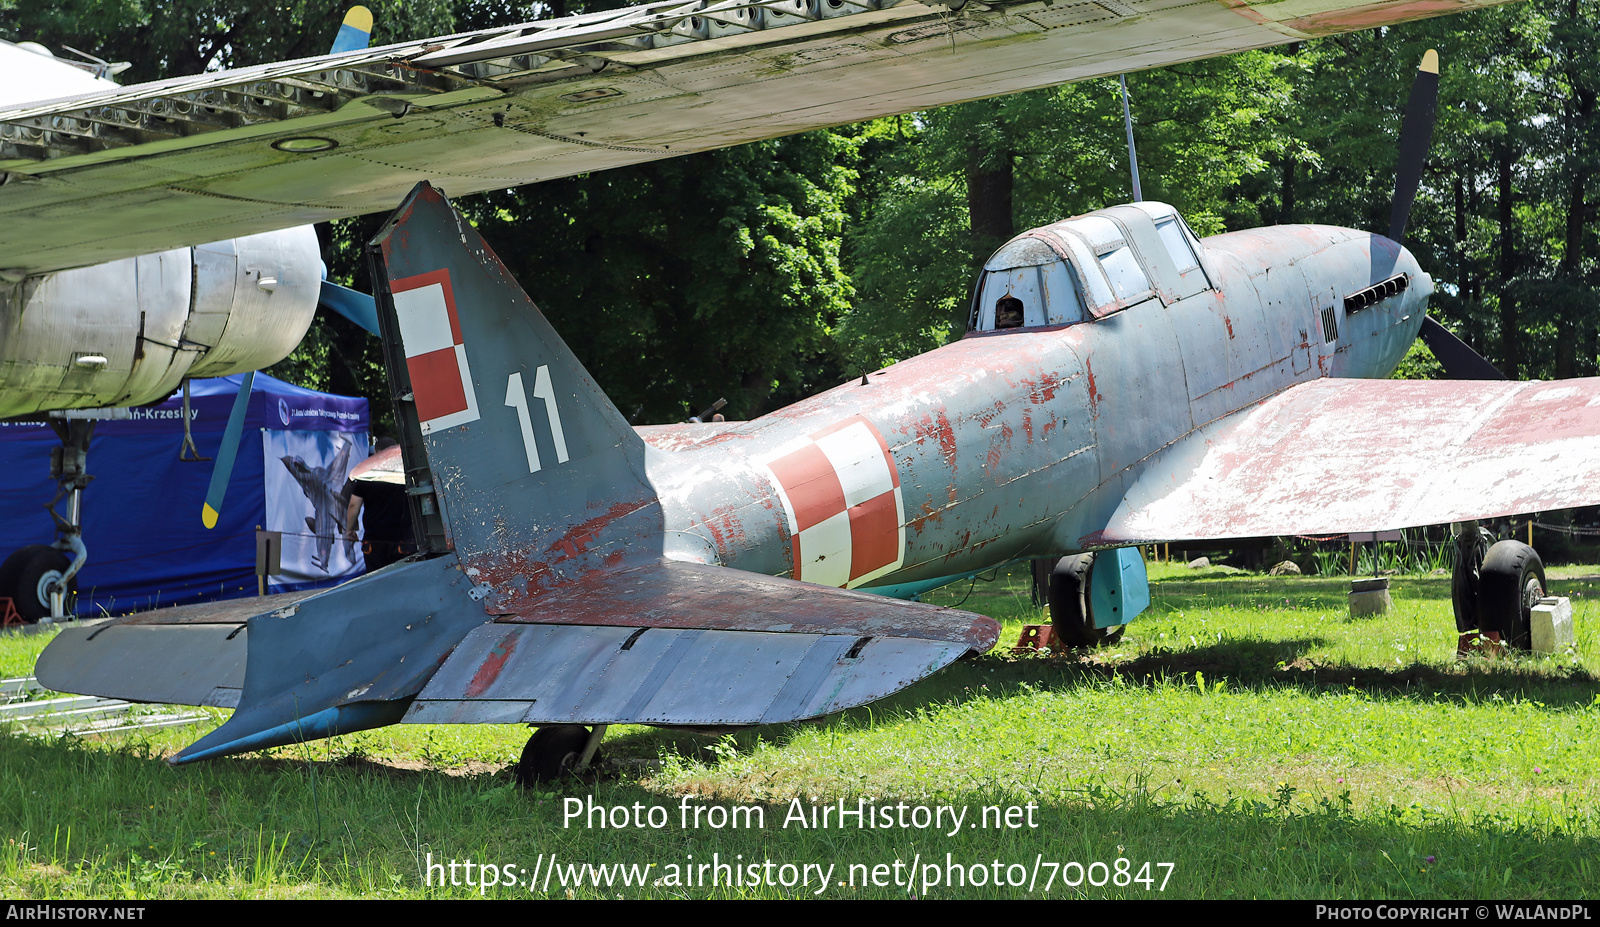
[176,163]
[1337,456]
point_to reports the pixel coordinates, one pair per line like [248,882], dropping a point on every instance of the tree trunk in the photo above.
[990,179]
[1286,215]
[1510,353]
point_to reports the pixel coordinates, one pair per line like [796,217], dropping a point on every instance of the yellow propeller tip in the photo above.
[1430,62]
[208,515]
[359,17]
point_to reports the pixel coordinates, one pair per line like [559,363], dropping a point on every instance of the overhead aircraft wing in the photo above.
[1339,456]
[179,162]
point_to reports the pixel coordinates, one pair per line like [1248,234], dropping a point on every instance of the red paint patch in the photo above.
[580,536]
[489,669]
[947,439]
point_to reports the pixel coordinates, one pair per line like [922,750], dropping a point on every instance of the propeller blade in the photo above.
[1416,134]
[1459,361]
[225,454]
[354,305]
[356,31]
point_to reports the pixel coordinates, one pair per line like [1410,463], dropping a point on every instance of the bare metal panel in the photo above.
[217,309]
[274,285]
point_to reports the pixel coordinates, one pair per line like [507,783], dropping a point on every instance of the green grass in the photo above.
[1246,731]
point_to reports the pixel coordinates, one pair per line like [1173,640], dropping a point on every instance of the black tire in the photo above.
[553,752]
[27,573]
[1070,620]
[1464,581]
[1509,586]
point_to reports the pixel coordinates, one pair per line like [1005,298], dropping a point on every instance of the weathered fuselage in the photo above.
[1021,442]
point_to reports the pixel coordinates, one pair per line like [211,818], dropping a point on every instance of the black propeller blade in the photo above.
[1416,135]
[1459,361]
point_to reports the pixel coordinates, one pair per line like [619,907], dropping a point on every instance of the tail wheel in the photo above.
[1070,620]
[1510,584]
[553,752]
[27,575]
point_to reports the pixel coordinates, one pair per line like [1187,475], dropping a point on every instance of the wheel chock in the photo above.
[1035,637]
[1485,644]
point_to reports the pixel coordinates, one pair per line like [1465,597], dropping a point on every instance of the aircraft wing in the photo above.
[180,162]
[691,644]
[1338,456]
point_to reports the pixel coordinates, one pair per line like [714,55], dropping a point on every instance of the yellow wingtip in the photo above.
[1430,62]
[359,17]
[208,515]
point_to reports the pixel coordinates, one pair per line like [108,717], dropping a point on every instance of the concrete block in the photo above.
[1369,597]
[1551,625]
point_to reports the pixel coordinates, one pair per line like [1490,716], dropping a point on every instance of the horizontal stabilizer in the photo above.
[697,596]
[690,644]
[1336,456]
[190,655]
[548,674]
[175,664]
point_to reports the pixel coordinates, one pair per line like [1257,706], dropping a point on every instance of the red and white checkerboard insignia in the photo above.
[435,356]
[841,493]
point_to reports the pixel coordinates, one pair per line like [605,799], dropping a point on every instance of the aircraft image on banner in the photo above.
[323,489]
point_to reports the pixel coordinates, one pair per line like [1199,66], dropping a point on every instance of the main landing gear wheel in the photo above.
[27,575]
[555,751]
[1510,584]
[1471,548]
[1070,620]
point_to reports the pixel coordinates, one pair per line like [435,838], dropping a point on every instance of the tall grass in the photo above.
[1247,732]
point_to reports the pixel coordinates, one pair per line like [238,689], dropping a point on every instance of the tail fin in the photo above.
[535,472]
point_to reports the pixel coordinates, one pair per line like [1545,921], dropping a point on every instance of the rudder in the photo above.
[535,472]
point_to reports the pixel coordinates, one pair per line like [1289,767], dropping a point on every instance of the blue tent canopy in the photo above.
[141,511]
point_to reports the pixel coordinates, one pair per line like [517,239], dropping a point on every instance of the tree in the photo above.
[684,281]
[966,178]
[173,38]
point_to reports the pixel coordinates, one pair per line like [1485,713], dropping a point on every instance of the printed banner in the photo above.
[306,473]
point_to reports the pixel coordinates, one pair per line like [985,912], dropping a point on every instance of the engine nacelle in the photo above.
[126,333]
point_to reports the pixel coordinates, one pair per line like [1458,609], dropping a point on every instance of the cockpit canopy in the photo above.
[1088,267]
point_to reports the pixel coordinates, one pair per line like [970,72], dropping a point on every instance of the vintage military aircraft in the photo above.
[575,571]
[578,571]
